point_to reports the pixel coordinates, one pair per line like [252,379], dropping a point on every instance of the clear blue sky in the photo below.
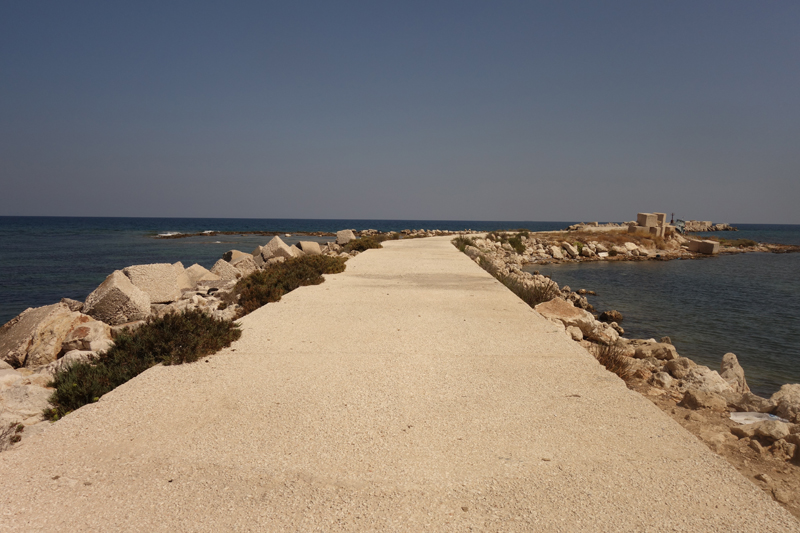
[413,110]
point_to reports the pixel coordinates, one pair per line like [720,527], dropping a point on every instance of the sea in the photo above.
[746,304]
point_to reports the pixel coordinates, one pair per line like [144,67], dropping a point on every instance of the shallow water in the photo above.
[746,304]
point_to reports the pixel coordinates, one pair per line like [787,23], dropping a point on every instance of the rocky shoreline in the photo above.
[766,449]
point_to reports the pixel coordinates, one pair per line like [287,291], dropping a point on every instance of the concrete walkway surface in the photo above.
[412,392]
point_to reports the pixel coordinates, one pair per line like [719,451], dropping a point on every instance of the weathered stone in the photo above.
[276,248]
[344,236]
[310,248]
[575,333]
[157,280]
[587,252]
[88,334]
[74,305]
[246,265]
[733,373]
[662,380]
[296,252]
[646,219]
[603,333]
[117,301]
[225,270]
[703,378]
[567,314]
[231,256]
[787,401]
[333,247]
[771,429]
[25,400]
[698,399]
[556,252]
[661,351]
[748,402]
[611,316]
[704,247]
[679,367]
[69,359]
[570,249]
[199,273]
[631,247]
[35,336]
[472,252]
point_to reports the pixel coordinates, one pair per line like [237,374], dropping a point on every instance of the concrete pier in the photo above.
[413,392]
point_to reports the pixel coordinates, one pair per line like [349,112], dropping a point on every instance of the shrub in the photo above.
[613,358]
[516,244]
[461,242]
[268,285]
[173,339]
[365,243]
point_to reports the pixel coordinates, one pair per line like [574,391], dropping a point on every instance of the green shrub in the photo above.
[173,339]
[365,243]
[268,285]
[516,244]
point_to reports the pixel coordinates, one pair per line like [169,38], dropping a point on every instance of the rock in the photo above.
[117,301]
[246,265]
[603,333]
[665,340]
[25,400]
[787,401]
[73,305]
[764,478]
[310,248]
[571,250]
[296,252]
[183,280]
[472,252]
[575,333]
[748,402]
[4,365]
[661,351]
[88,334]
[333,247]
[756,447]
[631,247]
[587,252]
[35,336]
[158,280]
[679,367]
[556,252]
[707,380]
[69,359]
[197,273]
[232,256]
[567,314]
[344,236]
[662,380]
[616,327]
[224,270]
[733,373]
[698,399]
[276,248]
[782,495]
[611,316]
[771,429]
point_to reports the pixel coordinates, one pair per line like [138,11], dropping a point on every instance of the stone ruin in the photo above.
[652,224]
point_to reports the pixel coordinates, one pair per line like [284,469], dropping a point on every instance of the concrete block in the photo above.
[661,219]
[704,247]
[159,281]
[644,230]
[656,231]
[646,219]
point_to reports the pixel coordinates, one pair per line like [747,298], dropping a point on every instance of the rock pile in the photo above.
[706,225]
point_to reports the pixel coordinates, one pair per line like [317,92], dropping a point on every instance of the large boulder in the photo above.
[704,379]
[35,337]
[158,280]
[660,350]
[68,359]
[25,399]
[225,270]
[117,301]
[310,248]
[183,280]
[198,273]
[246,265]
[88,334]
[679,367]
[567,314]
[733,373]
[787,402]
[556,252]
[296,252]
[611,316]
[231,256]
[344,236]
[276,248]
[698,399]
[748,402]
[571,250]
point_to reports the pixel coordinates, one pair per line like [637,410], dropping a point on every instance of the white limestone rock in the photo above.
[158,280]
[35,337]
[732,372]
[567,314]
[117,301]
[225,270]
[787,400]
[344,236]
[310,248]
[198,273]
[88,334]
[276,248]
[246,265]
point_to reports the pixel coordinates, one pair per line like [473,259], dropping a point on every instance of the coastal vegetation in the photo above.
[614,358]
[369,242]
[268,285]
[173,339]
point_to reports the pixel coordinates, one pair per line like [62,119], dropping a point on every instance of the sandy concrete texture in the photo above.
[413,392]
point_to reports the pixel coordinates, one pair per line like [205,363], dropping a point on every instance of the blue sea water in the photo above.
[746,304]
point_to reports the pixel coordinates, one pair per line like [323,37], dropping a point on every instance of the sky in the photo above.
[401,110]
